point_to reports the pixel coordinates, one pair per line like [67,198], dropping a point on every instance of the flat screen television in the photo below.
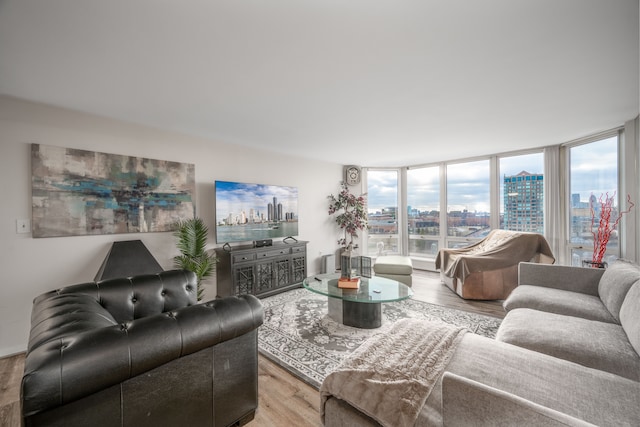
[249,212]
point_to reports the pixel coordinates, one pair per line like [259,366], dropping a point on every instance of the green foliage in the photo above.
[192,244]
[351,214]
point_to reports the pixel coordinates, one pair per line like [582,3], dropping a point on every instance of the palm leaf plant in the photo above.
[192,244]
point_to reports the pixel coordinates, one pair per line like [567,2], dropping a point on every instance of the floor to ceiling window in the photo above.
[522,192]
[593,175]
[468,202]
[423,211]
[382,206]
[418,210]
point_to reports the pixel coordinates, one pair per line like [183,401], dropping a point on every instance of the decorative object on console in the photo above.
[255,212]
[262,243]
[192,244]
[602,234]
[351,214]
[78,192]
[127,258]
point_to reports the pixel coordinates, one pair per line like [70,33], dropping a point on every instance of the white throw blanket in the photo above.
[390,376]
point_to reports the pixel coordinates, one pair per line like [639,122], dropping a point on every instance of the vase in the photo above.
[593,264]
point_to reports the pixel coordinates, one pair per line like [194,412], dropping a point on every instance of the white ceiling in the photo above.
[369,82]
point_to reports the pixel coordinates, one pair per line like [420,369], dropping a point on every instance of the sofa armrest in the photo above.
[468,402]
[74,365]
[568,278]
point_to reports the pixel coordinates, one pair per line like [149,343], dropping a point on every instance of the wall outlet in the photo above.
[23,226]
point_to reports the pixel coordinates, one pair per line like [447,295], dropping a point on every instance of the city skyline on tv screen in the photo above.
[247,212]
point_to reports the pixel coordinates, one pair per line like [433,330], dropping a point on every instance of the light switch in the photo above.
[23,226]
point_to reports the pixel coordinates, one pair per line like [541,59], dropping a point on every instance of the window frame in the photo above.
[556,194]
[401,216]
[566,250]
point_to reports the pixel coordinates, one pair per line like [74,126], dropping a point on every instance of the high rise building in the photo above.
[523,202]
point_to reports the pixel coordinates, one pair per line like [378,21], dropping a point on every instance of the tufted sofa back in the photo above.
[87,306]
[94,337]
[131,298]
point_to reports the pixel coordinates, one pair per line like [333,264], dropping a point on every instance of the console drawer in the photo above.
[244,257]
[274,252]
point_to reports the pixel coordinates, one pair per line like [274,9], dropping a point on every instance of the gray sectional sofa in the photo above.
[565,354]
[585,315]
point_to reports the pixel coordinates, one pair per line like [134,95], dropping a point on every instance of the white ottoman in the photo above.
[394,267]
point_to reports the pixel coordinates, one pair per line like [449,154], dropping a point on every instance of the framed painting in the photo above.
[78,192]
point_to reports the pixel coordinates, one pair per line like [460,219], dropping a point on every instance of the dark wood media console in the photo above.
[261,271]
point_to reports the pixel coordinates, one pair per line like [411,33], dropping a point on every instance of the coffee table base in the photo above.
[357,314]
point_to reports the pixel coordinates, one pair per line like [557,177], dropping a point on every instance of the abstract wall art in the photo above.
[78,192]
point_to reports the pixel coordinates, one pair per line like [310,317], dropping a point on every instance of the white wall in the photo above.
[31,266]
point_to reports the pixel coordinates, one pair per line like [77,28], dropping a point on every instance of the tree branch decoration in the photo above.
[352,214]
[605,226]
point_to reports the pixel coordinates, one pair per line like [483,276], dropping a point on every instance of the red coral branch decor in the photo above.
[605,227]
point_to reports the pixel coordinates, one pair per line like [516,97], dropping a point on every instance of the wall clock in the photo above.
[352,175]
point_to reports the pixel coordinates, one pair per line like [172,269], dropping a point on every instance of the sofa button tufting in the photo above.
[72,331]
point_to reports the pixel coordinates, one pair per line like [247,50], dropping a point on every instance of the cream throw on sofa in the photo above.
[391,375]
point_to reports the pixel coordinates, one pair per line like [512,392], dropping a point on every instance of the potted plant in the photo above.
[350,214]
[192,244]
[605,227]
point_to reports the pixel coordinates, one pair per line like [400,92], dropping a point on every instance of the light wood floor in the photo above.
[283,399]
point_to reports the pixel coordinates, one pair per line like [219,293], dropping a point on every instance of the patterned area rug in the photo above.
[298,334]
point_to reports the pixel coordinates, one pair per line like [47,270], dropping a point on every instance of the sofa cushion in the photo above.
[393,264]
[615,283]
[558,301]
[598,345]
[595,396]
[630,316]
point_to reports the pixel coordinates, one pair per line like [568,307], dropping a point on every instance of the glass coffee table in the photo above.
[362,307]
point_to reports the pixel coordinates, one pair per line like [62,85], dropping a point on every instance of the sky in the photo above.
[234,197]
[593,171]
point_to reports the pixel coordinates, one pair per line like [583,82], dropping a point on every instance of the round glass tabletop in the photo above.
[371,290]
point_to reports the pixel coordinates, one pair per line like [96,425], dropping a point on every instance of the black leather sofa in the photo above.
[140,351]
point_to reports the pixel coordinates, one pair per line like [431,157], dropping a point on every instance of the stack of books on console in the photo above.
[347,283]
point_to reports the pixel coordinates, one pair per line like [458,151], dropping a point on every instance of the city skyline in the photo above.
[592,172]
[238,199]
